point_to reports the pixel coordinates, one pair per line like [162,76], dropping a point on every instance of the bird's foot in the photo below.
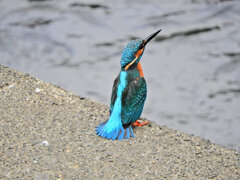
[137,123]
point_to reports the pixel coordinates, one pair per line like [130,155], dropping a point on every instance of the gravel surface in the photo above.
[48,133]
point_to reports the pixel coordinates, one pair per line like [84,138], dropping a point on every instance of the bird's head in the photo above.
[133,52]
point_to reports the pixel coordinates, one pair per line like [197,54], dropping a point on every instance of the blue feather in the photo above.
[121,134]
[128,54]
[115,135]
[127,133]
[132,134]
[113,128]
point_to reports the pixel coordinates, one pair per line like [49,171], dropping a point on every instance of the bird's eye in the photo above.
[141,46]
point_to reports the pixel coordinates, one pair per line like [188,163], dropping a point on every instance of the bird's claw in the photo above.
[137,123]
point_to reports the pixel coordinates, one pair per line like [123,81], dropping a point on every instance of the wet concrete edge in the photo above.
[48,133]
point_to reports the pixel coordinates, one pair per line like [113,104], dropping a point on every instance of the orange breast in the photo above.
[139,68]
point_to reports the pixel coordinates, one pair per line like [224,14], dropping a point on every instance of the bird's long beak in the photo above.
[149,38]
[140,51]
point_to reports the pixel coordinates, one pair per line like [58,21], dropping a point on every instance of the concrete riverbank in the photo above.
[48,133]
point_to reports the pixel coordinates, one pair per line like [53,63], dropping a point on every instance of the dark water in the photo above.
[192,68]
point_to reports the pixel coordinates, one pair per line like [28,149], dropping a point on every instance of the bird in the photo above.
[129,93]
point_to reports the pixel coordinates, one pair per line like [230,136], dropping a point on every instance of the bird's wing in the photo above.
[114,93]
[133,98]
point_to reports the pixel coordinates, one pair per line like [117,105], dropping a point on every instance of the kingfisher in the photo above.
[129,93]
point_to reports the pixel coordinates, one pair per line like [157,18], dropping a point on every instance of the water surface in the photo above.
[192,68]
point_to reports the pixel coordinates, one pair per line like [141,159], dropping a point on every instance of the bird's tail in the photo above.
[113,128]
[116,132]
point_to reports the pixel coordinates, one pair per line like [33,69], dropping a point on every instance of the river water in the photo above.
[192,67]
